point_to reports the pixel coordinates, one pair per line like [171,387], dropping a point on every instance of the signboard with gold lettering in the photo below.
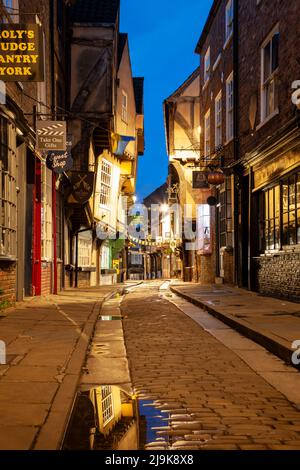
[21,53]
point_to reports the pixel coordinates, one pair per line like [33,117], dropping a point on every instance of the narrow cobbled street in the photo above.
[210,398]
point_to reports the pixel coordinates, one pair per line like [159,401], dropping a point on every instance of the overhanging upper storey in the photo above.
[182,120]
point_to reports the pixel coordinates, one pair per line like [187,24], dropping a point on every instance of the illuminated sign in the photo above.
[21,53]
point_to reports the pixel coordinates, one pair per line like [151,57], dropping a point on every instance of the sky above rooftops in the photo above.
[163,35]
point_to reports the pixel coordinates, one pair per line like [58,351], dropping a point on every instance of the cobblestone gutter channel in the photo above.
[162,374]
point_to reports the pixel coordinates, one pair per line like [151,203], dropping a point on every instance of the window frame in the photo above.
[124,107]
[207,65]
[8,190]
[218,120]
[284,241]
[105,183]
[229,25]
[229,108]
[272,77]
[207,136]
[46,215]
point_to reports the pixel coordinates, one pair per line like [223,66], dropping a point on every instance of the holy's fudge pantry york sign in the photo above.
[21,53]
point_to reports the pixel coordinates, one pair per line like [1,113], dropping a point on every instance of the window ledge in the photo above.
[228,141]
[218,60]
[90,269]
[271,116]
[205,84]
[8,258]
[228,41]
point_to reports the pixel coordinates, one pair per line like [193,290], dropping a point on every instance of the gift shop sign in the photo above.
[21,53]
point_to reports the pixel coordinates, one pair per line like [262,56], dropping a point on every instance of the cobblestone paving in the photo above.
[209,397]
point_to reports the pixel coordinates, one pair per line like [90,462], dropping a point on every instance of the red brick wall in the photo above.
[217,82]
[7,285]
[256,22]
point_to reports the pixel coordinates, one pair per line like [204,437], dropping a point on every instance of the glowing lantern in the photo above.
[215,177]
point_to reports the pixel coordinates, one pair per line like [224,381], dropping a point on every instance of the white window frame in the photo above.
[270,81]
[218,120]
[207,66]
[46,221]
[124,111]
[84,251]
[107,406]
[229,20]
[105,183]
[207,134]
[105,257]
[229,108]
[8,191]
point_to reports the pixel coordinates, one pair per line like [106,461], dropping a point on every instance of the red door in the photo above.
[37,231]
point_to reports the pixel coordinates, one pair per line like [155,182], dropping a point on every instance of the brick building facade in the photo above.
[250,133]
[29,190]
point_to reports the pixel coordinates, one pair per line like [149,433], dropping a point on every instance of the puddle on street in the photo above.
[109,418]
[109,318]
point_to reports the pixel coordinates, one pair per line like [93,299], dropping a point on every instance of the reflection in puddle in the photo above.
[109,318]
[103,418]
[109,418]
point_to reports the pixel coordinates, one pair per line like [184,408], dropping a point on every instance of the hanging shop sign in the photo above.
[60,162]
[51,135]
[200,180]
[83,185]
[21,53]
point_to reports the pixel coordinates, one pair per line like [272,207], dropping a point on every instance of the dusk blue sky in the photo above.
[162,38]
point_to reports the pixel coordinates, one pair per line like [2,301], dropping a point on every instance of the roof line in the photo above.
[205,30]
[186,83]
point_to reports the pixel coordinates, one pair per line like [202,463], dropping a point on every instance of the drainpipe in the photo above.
[235,43]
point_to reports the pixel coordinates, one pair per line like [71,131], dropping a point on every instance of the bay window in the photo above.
[282,214]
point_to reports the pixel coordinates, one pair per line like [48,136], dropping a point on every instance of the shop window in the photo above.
[8,190]
[272,220]
[105,183]
[282,214]
[204,229]
[269,64]
[84,249]
[105,257]
[46,235]
[136,258]
[225,211]
[290,210]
